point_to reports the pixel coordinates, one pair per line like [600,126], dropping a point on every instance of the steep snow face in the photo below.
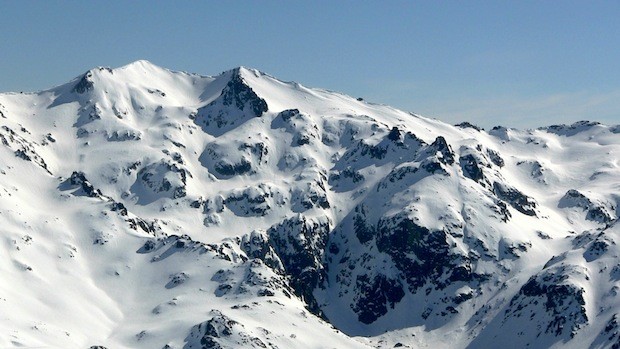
[143,207]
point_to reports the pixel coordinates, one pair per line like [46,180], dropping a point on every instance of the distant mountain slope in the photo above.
[146,208]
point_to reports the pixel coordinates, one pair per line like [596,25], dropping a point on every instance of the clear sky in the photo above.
[513,63]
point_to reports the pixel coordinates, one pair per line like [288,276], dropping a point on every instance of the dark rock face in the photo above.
[301,244]
[500,132]
[345,180]
[240,158]
[238,93]
[596,249]
[466,124]
[163,179]
[573,198]
[471,168]
[147,227]
[229,170]
[433,166]
[262,274]
[375,295]
[610,335]
[177,279]
[495,158]
[502,209]
[85,84]
[236,104]
[302,127]
[363,231]
[420,254]
[596,211]
[403,172]
[513,250]
[515,198]
[257,245]
[250,201]
[23,148]
[313,195]
[561,300]
[167,246]
[78,179]
[599,214]
[594,244]
[288,114]
[571,130]
[219,326]
[406,146]
[447,154]
[373,151]
[556,296]
[395,134]
[118,207]
[221,332]
[123,136]
[258,150]
[422,258]
[537,170]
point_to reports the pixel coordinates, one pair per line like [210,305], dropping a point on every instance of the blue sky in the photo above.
[514,63]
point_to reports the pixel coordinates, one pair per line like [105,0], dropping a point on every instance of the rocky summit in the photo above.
[147,208]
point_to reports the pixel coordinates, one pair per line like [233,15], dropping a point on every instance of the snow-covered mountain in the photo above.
[146,208]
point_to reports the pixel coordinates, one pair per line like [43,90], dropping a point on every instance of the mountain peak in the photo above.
[244,73]
[87,81]
[296,201]
[138,69]
[247,70]
[140,62]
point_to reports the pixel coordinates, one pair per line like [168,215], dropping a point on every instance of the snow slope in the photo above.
[147,208]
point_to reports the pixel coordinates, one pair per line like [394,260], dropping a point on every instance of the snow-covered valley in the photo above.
[147,208]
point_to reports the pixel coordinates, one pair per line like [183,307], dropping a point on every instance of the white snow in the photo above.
[73,274]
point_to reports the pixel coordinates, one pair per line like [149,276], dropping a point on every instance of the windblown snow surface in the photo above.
[146,208]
